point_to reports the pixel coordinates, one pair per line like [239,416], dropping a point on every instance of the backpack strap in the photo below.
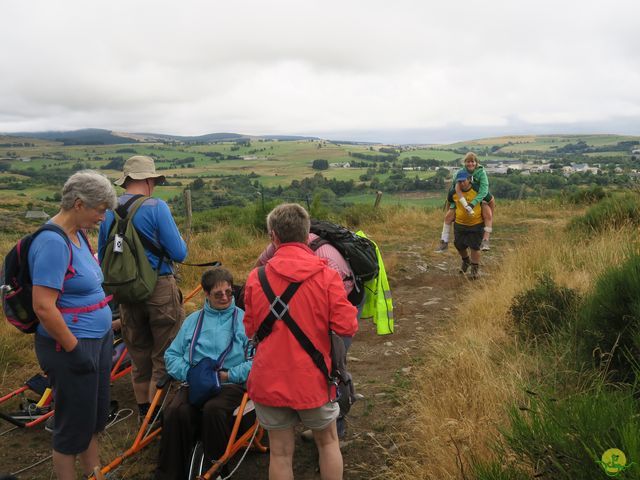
[279,309]
[52,227]
[123,211]
[196,336]
[317,243]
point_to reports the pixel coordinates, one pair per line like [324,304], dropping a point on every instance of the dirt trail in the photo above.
[424,288]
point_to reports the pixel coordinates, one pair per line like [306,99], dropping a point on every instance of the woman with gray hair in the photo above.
[73,341]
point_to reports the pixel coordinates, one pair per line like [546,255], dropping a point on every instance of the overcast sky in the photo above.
[414,71]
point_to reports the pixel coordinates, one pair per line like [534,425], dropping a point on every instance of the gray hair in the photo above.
[290,222]
[93,188]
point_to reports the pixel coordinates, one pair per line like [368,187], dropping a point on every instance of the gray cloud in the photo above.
[309,67]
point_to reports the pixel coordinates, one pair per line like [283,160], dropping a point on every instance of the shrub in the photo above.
[565,439]
[543,308]
[613,212]
[359,214]
[609,320]
[586,196]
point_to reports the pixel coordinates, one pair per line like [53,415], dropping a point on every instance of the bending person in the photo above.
[184,423]
[285,384]
[74,340]
[484,199]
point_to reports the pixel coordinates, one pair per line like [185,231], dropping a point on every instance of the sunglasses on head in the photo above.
[221,294]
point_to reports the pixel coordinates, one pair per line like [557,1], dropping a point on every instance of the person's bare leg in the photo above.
[331,467]
[64,466]
[89,459]
[281,447]
[450,216]
[142,392]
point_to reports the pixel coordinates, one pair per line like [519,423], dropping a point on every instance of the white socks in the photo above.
[446,230]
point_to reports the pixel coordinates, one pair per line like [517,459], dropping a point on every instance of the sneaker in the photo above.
[442,247]
[50,424]
[484,246]
[465,266]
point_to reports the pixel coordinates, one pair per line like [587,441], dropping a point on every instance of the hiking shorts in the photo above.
[81,399]
[148,328]
[468,237]
[281,418]
[487,199]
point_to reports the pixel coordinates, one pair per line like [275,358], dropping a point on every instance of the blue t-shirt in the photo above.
[153,220]
[48,262]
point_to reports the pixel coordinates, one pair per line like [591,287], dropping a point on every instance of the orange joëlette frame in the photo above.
[144,437]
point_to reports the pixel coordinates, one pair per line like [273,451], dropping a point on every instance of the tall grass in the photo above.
[477,367]
[613,212]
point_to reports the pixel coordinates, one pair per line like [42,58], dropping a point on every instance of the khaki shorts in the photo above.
[281,418]
[148,329]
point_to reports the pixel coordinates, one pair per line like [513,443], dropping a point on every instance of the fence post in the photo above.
[187,207]
[378,198]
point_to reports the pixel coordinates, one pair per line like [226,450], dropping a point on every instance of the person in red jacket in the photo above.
[284,383]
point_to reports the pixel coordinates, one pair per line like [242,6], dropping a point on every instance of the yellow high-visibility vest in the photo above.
[378,304]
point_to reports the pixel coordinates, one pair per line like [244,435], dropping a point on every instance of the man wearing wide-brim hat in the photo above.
[139,167]
[148,327]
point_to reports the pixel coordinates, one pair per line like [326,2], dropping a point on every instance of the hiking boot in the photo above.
[442,247]
[465,265]
[473,274]
[484,246]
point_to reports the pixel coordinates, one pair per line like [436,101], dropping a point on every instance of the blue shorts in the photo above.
[81,399]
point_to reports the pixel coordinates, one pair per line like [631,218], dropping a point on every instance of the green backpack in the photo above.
[128,275]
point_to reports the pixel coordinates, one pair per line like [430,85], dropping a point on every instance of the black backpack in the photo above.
[359,252]
[17,296]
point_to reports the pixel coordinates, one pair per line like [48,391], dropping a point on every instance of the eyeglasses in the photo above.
[221,294]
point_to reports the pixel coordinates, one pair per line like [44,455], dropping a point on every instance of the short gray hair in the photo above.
[93,188]
[290,222]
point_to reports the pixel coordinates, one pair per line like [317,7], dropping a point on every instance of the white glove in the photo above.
[469,210]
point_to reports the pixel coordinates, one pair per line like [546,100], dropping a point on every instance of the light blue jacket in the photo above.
[214,339]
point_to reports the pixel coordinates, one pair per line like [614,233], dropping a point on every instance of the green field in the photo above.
[271,163]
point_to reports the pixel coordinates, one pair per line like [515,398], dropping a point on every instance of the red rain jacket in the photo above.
[283,374]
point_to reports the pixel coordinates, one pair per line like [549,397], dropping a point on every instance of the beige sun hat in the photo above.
[139,167]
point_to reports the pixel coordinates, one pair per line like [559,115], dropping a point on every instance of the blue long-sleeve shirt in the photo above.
[153,220]
[214,339]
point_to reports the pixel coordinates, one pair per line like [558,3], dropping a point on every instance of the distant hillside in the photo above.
[217,137]
[87,136]
[98,136]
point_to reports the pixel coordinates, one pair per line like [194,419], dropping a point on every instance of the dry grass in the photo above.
[475,367]
[472,368]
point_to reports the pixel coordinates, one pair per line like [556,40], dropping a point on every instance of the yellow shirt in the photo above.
[462,217]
